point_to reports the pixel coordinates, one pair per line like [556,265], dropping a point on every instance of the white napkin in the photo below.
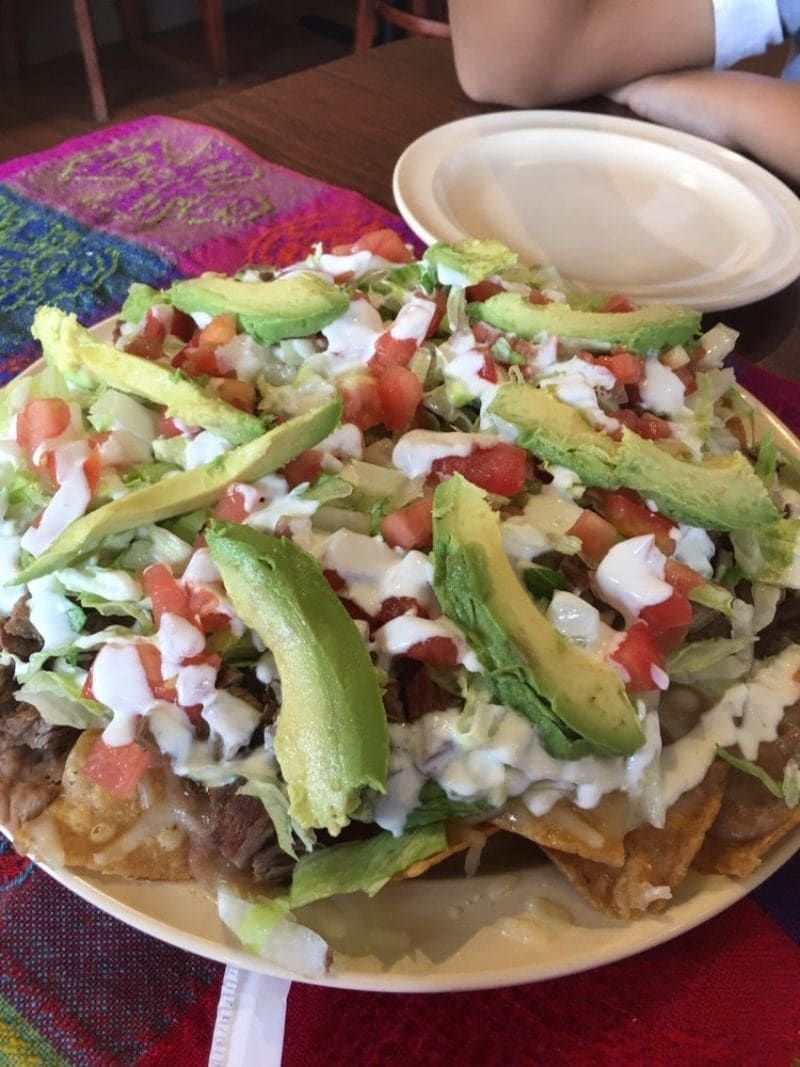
[250,1020]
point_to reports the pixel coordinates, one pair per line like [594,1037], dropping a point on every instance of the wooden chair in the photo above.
[211,13]
[425,18]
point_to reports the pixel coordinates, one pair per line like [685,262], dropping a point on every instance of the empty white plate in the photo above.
[615,204]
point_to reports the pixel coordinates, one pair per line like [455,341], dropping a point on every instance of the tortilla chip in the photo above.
[656,860]
[738,860]
[595,834]
[86,826]
[460,836]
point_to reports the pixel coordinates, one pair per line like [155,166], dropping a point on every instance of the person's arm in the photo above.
[528,53]
[752,113]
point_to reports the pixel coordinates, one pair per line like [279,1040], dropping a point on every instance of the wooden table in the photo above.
[347,122]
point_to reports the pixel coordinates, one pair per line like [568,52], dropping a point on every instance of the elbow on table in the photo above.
[507,83]
[490,85]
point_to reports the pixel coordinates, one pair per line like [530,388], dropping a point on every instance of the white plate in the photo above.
[516,921]
[615,204]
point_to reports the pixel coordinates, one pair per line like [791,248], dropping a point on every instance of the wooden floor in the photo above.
[267,39]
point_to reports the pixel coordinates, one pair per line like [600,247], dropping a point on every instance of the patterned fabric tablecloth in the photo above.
[151,201]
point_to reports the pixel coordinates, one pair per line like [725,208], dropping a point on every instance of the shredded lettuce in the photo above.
[56,695]
[364,866]
[788,790]
[767,553]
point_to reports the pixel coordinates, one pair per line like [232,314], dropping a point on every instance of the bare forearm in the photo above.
[752,113]
[532,52]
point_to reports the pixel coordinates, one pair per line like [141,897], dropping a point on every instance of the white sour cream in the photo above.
[417,451]
[631,576]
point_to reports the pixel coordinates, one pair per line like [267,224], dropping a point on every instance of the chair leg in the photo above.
[83,21]
[10,39]
[213,16]
[366,25]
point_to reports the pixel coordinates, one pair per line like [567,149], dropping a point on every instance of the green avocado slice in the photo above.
[81,358]
[648,328]
[716,493]
[186,490]
[578,704]
[331,737]
[295,306]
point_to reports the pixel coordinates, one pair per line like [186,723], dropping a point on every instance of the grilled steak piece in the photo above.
[18,635]
[749,811]
[32,757]
[241,830]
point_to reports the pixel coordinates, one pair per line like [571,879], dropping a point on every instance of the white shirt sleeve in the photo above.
[744,28]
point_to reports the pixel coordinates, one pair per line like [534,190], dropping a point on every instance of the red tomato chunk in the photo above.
[117,768]
[500,469]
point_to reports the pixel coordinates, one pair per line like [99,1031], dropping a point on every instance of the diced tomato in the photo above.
[674,612]
[617,303]
[307,467]
[596,535]
[442,651]
[361,402]
[411,526]
[166,593]
[687,376]
[334,580]
[40,420]
[681,577]
[237,393]
[154,326]
[116,768]
[219,331]
[391,351]
[500,469]
[92,468]
[638,653]
[146,346]
[151,662]
[482,290]
[395,606]
[385,243]
[231,506]
[439,297]
[167,427]
[197,360]
[484,334]
[182,326]
[647,425]
[204,606]
[626,367]
[632,518]
[536,296]
[399,394]
[489,371]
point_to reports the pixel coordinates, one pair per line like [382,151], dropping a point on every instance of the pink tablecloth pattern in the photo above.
[158,199]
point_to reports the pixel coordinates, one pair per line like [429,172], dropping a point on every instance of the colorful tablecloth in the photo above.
[151,201]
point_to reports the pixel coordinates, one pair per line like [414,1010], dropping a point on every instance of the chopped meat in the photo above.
[421,693]
[783,631]
[18,635]
[243,833]
[749,811]
[32,757]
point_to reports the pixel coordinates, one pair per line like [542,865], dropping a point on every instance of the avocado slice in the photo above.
[468,261]
[83,359]
[294,306]
[647,329]
[186,490]
[577,704]
[716,493]
[558,433]
[331,737]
